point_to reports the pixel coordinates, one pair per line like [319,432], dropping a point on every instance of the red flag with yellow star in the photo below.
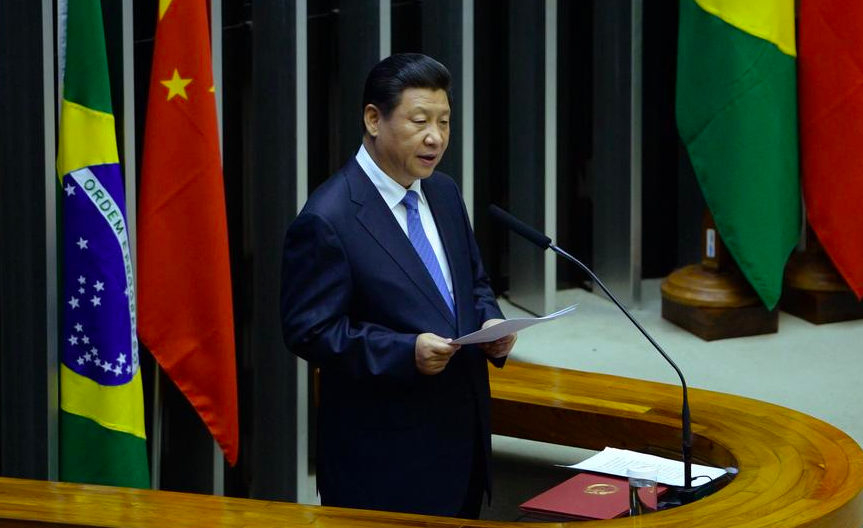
[184,276]
[831,129]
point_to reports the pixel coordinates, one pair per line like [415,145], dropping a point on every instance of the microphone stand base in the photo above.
[678,496]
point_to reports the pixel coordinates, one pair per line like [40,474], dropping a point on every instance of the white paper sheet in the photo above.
[495,332]
[613,461]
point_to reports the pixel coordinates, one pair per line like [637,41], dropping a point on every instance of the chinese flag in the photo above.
[830,81]
[184,281]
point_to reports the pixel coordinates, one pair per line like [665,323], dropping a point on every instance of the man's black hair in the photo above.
[393,75]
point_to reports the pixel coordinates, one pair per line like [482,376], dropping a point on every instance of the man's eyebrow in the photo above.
[421,108]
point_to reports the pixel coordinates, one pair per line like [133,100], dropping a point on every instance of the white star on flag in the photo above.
[80,361]
[81,291]
[73,302]
[122,359]
[85,340]
[94,351]
[106,366]
[118,370]
[87,357]
[98,362]
[99,285]
[97,301]
[79,327]
[82,280]
[70,189]
[128,369]
[82,244]
[73,340]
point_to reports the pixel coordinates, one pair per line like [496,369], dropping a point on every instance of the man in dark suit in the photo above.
[380,272]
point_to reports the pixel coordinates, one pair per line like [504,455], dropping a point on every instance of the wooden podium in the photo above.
[795,470]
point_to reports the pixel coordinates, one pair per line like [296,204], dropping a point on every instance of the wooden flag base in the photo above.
[712,299]
[714,304]
[815,291]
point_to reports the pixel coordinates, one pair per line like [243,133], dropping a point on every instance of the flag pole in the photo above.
[216,60]
[156,441]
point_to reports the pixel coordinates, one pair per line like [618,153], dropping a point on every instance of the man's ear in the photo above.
[372,118]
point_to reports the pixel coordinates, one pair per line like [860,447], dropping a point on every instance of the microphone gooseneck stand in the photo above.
[687,493]
[685,416]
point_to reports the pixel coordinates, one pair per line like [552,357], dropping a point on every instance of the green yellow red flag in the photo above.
[736,113]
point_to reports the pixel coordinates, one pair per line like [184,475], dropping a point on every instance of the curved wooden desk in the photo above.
[795,470]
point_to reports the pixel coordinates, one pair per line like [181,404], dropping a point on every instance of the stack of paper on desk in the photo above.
[613,461]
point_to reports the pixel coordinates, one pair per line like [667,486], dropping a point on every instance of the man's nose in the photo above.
[434,137]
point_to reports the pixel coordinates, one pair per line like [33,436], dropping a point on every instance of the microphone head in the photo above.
[519,227]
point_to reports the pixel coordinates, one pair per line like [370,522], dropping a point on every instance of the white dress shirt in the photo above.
[393,193]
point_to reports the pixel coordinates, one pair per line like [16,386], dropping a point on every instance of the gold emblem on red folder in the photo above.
[601,489]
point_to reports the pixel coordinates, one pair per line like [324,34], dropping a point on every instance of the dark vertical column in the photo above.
[323,91]
[24,332]
[236,149]
[659,160]
[615,118]
[442,40]
[574,137]
[272,197]
[358,51]
[526,149]
[491,130]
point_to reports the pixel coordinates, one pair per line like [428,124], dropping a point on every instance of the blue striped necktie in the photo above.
[417,236]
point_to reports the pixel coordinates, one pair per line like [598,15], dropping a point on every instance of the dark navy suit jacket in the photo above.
[355,295]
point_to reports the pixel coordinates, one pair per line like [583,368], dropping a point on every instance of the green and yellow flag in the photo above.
[737,115]
[102,438]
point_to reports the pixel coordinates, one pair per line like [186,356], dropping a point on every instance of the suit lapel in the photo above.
[378,220]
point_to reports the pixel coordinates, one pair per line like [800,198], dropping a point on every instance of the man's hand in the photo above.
[432,353]
[500,348]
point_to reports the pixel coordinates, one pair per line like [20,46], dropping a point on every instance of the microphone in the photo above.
[544,242]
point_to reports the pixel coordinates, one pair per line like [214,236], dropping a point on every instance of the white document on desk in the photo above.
[613,461]
[509,326]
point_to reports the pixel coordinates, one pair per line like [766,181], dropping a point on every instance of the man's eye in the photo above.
[420,121]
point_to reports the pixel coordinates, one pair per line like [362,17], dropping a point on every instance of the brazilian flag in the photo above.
[102,438]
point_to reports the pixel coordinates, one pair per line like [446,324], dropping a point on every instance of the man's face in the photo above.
[409,143]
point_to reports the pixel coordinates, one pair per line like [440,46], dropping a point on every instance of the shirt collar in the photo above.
[390,190]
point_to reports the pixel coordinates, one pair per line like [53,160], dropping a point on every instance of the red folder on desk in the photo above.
[584,496]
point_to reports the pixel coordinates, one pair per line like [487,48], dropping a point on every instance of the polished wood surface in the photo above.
[795,470]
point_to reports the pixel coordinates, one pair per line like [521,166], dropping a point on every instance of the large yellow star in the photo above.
[176,86]
[163,6]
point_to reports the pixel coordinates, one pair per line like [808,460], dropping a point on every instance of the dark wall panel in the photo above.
[491,127]
[236,166]
[359,50]
[526,148]
[323,91]
[442,40]
[272,205]
[574,136]
[23,327]
[611,163]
